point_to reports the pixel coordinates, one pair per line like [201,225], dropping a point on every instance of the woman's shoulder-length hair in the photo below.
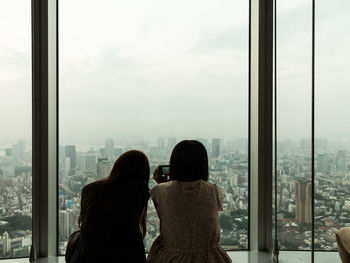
[189,162]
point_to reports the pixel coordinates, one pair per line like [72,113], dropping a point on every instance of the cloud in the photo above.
[215,39]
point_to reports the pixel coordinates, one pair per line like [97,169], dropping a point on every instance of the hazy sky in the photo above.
[15,70]
[332,68]
[154,68]
[174,68]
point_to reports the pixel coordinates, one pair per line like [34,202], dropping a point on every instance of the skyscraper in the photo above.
[71,154]
[109,146]
[104,168]
[342,161]
[89,163]
[322,163]
[8,152]
[303,213]
[67,164]
[6,246]
[215,148]
[19,148]
[66,223]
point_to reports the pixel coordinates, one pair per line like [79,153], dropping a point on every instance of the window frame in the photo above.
[45,125]
[312,133]
[261,116]
[44,93]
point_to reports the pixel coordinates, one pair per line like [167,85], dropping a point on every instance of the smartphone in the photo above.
[164,170]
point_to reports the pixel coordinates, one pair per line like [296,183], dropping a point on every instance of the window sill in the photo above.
[305,257]
[239,256]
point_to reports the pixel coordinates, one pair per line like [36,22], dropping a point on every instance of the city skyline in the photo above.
[147,74]
[332,205]
[234,187]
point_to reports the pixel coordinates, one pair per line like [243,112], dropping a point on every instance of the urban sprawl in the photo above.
[228,168]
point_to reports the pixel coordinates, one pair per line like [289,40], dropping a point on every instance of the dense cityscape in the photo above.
[228,165]
[332,200]
[15,200]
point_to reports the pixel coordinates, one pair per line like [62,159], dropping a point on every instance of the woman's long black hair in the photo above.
[132,166]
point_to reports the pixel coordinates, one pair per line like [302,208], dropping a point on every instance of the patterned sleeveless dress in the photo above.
[189,226]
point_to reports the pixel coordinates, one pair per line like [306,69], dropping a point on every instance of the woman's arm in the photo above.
[154,193]
[158,178]
[219,197]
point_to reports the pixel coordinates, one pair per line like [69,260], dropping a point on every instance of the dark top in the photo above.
[113,233]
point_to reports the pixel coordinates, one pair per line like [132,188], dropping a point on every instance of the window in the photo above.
[332,124]
[15,131]
[156,56]
[294,142]
[145,75]
[294,213]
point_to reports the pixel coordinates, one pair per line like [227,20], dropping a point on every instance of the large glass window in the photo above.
[145,75]
[332,141]
[293,82]
[332,178]
[15,129]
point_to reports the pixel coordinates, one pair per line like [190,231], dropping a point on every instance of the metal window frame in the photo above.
[45,125]
[261,123]
[313,112]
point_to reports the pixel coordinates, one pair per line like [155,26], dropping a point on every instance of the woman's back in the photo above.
[189,226]
[113,232]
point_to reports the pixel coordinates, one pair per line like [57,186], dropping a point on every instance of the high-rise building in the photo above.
[19,148]
[215,147]
[322,163]
[8,152]
[104,168]
[342,161]
[67,164]
[303,213]
[69,152]
[89,163]
[6,246]
[109,150]
[65,223]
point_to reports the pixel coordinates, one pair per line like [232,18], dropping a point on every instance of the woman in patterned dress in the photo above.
[188,208]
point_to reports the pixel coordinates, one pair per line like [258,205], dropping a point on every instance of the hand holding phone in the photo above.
[163,170]
[161,174]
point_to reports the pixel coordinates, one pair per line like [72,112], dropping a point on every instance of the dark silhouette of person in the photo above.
[113,213]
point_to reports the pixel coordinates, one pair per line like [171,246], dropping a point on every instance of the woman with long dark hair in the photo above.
[113,213]
[187,207]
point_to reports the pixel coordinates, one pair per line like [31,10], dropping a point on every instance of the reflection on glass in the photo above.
[332,198]
[145,75]
[15,129]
